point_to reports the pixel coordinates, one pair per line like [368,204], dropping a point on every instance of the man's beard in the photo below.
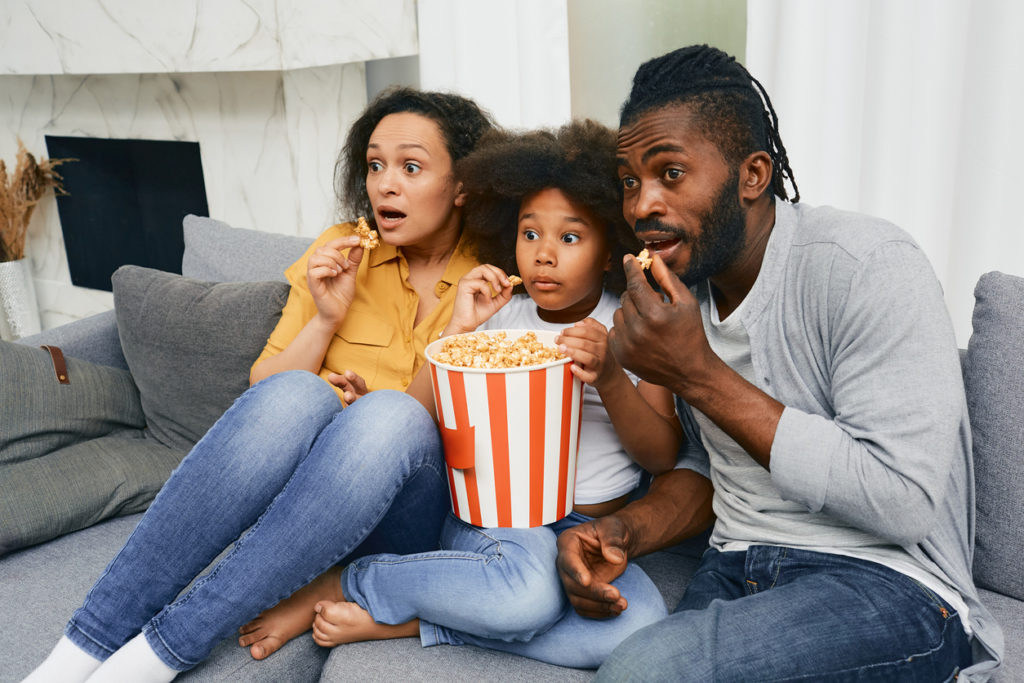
[721,240]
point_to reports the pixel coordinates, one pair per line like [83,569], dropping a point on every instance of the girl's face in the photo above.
[562,254]
[409,180]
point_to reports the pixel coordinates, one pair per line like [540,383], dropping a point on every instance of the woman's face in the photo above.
[409,180]
[562,254]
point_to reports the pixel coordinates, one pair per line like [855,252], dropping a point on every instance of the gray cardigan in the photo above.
[849,330]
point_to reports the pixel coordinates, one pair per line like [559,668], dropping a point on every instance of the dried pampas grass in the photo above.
[19,194]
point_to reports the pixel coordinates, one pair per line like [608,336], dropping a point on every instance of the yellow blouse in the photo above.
[377,339]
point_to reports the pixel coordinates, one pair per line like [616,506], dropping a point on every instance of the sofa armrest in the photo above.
[94,339]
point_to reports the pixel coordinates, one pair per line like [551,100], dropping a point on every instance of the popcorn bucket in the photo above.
[510,438]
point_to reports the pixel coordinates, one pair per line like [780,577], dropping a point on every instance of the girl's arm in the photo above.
[644,415]
[331,277]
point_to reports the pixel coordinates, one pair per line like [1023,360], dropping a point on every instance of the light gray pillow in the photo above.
[216,251]
[190,344]
[995,398]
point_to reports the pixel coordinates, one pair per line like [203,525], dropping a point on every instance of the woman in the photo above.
[311,482]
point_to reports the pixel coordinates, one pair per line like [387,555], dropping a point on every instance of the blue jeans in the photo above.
[780,614]
[498,588]
[311,482]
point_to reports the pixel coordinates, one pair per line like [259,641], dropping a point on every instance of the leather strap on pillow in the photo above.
[59,366]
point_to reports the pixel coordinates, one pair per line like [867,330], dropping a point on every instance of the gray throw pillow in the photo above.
[216,251]
[995,398]
[190,344]
[71,454]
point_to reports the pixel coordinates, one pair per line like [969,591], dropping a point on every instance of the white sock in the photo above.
[66,663]
[135,662]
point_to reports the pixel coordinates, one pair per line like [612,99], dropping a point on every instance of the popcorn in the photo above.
[486,350]
[368,239]
[515,280]
[644,257]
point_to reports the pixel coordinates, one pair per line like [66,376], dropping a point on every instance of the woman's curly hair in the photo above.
[461,120]
[578,159]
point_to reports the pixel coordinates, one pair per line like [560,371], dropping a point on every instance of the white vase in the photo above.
[19,312]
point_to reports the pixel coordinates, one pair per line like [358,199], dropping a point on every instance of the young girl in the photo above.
[551,200]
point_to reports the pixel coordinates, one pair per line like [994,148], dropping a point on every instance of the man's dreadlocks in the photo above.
[729,105]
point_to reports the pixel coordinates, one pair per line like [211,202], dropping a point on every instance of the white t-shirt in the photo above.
[603,469]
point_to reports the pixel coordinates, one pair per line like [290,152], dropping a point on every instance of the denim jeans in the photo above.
[311,483]
[498,588]
[780,614]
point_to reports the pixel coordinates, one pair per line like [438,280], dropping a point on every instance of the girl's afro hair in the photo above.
[506,167]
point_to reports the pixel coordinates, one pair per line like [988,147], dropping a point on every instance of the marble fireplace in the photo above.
[267,88]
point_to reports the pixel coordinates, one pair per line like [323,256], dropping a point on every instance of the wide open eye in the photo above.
[570,238]
[412,168]
[530,235]
[374,167]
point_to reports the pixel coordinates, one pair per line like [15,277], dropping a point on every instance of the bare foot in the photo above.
[291,617]
[347,622]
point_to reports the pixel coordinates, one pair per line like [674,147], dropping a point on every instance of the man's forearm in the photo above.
[677,507]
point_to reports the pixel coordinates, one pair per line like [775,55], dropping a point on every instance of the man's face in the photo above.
[680,195]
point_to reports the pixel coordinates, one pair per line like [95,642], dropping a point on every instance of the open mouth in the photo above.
[390,215]
[661,245]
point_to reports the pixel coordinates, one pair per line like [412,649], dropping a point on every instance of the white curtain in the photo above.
[909,110]
[512,57]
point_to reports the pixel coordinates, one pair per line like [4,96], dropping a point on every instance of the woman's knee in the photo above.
[391,422]
[292,397]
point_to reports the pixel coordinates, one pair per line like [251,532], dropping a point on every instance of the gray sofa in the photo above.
[185,344]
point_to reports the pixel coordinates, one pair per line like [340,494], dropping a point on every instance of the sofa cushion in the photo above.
[70,454]
[995,398]
[77,486]
[189,345]
[216,251]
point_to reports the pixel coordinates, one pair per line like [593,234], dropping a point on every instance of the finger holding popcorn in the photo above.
[481,293]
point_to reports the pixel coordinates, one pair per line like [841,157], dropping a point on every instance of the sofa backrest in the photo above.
[995,398]
[217,252]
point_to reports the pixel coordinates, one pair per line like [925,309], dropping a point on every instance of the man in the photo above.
[819,384]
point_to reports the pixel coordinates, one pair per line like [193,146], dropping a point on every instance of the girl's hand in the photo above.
[352,385]
[586,343]
[331,277]
[481,293]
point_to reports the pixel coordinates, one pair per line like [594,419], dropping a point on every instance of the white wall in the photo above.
[267,88]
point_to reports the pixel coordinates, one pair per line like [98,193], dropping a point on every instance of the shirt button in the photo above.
[441,288]
[405,381]
[408,338]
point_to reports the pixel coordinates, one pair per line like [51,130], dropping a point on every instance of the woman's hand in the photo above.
[331,277]
[480,294]
[586,343]
[352,385]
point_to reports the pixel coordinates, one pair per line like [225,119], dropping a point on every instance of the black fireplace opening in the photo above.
[125,203]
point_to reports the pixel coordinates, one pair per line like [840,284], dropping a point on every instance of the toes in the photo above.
[251,626]
[249,639]
[265,648]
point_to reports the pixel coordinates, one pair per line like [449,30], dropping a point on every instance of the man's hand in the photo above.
[662,342]
[590,556]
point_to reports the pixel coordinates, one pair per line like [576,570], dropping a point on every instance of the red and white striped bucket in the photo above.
[510,437]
